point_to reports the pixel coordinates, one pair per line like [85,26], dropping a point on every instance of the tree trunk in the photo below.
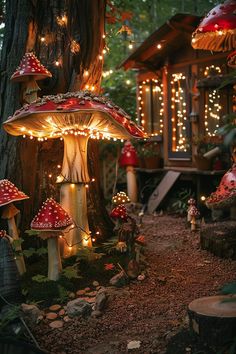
[77,46]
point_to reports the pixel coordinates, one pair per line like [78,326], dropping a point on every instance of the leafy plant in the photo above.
[179,203]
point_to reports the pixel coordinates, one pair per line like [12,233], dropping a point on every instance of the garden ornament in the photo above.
[28,72]
[120,198]
[194,213]
[191,202]
[129,160]
[9,193]
[74,117]
[51,221]
[217,31]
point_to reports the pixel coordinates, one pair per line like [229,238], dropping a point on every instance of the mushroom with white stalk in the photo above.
[51,221]
[74,117]
[28,72]
[119,213]
[129,159]
[9,193]
[191,202]
[194,213]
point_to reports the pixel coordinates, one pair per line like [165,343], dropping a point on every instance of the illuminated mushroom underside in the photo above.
[74,117]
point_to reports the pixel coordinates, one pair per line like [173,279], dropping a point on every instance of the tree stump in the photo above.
[220,239]
[213,319]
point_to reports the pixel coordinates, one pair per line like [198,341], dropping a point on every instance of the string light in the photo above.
[178,113]
[145,88]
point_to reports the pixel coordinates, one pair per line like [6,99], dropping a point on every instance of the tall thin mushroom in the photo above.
[9,193]
[74,117]
[51,221]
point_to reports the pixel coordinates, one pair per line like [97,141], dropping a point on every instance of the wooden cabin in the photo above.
[177,97]
[178,103]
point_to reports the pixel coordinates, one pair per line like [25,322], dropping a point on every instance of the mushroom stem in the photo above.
[54,259]
[29,90]
[131,184]
[73,194]
[13,232]
[74,201]
[193,223]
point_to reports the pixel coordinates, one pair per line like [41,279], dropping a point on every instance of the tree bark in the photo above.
[26,23]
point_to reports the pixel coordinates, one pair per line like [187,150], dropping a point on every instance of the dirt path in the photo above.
[154,310]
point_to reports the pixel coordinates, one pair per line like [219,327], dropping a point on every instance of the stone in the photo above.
[55,307]
[31,313]
[71,295]
[66,319]
[61,312]
[78,307]
[80,292]
[95,283]
[91,293]
[101,300]
[56,324]
[133,269]
[133,344]
[119,279]
[51,316]
[141,277]
[96,314]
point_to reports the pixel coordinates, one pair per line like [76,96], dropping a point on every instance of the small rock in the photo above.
[98,288]
[141,277]
[119,279]
[55,307]
[95,283]
[133,269]
[91,293]
[96,314]
[56,324]
[51,316]
[133,344]
[80,292]
[71,295]
[31,313]
[78,307]
[61,312]
[101,300]
[66,319]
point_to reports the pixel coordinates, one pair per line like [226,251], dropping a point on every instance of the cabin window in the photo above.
[212,111]
[179,145]
[150,104]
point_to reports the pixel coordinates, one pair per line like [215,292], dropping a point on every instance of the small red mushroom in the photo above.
[129,160]
[119,212]
[217,31]
[9,193]
[51,221]
[225,194]
[28,72]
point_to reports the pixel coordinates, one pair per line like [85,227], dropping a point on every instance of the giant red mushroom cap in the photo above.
[30,66]
[81,113]
[9,193]
[217,31]
[225,194]
[51,217]
[128,155]
[119,212]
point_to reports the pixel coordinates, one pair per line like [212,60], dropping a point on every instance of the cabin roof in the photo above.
[172,35]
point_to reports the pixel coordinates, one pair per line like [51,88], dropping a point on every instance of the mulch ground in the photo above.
[152,311]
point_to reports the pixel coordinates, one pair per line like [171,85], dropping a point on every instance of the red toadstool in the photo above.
[74,117]
[9,193]
[119,213]
[51,221]
[30,70]
[217,31]
[129,159]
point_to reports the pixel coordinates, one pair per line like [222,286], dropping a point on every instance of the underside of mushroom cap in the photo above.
[80,113]
[217,31]
[225,195]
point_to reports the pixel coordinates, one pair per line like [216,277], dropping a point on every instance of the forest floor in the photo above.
[152,314]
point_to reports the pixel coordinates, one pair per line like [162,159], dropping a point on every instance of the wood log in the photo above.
[219,239]
[213,319]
